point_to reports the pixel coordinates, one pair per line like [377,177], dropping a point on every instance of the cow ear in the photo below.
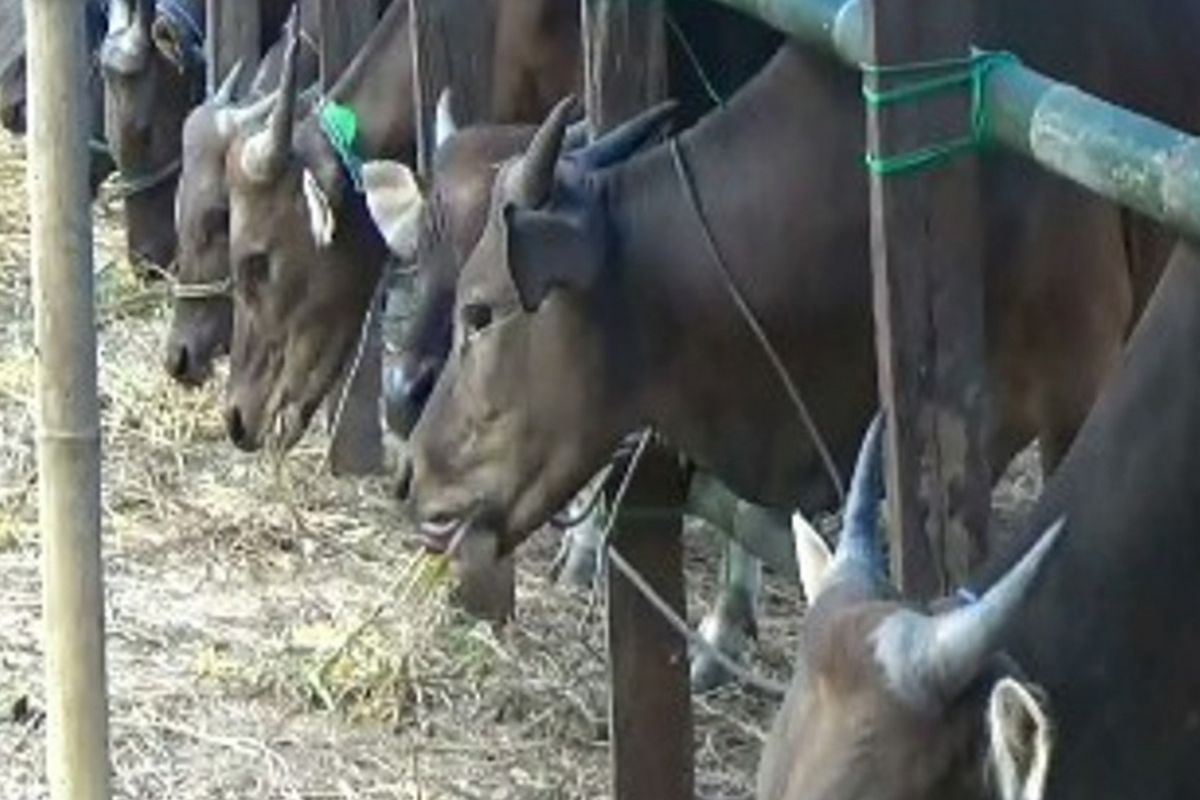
[395,202]
[812,556]
[320,211]
[549,250]
[169,42]
[1021,739]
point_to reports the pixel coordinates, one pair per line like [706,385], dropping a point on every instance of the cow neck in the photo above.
[377,86]
[705,376]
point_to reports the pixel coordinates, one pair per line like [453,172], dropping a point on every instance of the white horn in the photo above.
[446,126]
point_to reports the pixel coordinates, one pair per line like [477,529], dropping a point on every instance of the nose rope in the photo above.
[127,187]
[688,185]
[208,290]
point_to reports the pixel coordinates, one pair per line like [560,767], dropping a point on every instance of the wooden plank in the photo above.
[625,59]
[650,705]
[650,700]
[431,74]
[68,411]
[928,291]
[344,27]
[357,446]
[232,36]
[452,47]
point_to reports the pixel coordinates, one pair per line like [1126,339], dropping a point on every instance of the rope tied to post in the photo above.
[945,75]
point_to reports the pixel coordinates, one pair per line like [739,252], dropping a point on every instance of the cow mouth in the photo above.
[290,423]
[441,533]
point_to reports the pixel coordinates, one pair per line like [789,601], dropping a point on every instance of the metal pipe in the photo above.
[68,412]
[1123,156]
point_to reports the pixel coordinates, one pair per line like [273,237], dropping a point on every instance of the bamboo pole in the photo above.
[68,415]
[1122,156]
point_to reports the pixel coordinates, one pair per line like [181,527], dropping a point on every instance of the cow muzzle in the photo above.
[407,384]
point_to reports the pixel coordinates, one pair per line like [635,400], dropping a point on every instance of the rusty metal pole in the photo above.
[928,290]
[68,426]
[357,446]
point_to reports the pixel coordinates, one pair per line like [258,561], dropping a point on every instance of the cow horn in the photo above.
[120,16]
[128,40]
[231,120]
[446,125]
[534,175]
[962,639]
[930,660]
[858,545]
[223,96]
[266,153]
[627,138]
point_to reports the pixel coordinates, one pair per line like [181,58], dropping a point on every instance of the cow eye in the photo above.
[216,223]
[476,317]
[253,270]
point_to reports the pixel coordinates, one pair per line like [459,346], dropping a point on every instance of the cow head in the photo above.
[894,702]
[153,75]
[203,313]
[500,446]
[441,231]
[306,260]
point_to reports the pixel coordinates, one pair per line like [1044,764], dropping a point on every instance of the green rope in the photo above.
[339,123]
[971,72]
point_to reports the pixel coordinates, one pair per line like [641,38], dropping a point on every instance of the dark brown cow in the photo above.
[1080,685]
[13,99]
[154,74]
[592,306]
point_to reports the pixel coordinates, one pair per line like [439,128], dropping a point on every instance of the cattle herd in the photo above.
[571,293]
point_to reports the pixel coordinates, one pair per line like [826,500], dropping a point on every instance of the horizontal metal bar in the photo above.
[1122,156]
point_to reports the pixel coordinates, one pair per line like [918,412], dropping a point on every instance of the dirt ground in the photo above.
[264,637]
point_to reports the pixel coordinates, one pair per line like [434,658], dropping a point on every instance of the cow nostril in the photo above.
[422,387]
[178,362]
[404,481]
[236,427]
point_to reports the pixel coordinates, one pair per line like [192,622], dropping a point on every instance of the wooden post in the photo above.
[357,446]
[232,36]
[68,412]
[452,48]
[344,28]
[431,74]
[625,59]
[928,292]
[650,701]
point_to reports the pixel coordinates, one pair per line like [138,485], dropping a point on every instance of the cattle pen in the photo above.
[272,632]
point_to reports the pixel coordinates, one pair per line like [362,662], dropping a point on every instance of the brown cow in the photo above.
[591,306]
[306,257]
[448,225]
[13,99]
[1080,685]
[203,311]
